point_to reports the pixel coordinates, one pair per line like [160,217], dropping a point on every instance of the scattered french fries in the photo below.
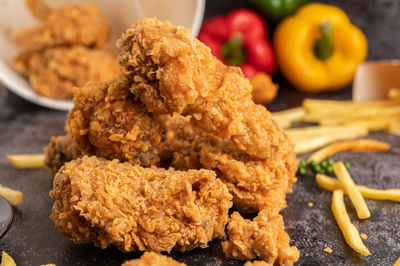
[331,184]
[6,260]
[13,196]
[363,145]
[26,161]
[350,188]
[350,232]
[311,138]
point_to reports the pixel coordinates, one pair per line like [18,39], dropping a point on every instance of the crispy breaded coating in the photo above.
[107,202]
[254,183]
[58,152]
[264,237]
[172,71]
[153,259]
[264,90]
[257,263]
[39,9]
[55,71]
[108,122]
[69,25]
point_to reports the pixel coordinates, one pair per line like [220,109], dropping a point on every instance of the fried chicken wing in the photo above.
[69,25]
[58,152]
[254,183]
[264,237]
[153,259]
[107,121]
[107,202]
[55,71]
[172,71]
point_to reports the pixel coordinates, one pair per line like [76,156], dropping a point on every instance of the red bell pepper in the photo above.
[240,38]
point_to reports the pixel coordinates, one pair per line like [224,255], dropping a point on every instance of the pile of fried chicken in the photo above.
[155,158]
[65,49]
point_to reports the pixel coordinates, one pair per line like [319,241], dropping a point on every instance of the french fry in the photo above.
[397,263]
[394,128]
[329,106]
[350,188]
[363,145]
[331,184]
[344,115]
[394,94]
[310,138]
[289,116]
[26,161]
[350,232]
[6,260]
[284,123]
[13,196]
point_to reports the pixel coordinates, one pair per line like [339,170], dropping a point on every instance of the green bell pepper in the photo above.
[277,9]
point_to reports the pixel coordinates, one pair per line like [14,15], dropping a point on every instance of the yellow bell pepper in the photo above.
[318,49]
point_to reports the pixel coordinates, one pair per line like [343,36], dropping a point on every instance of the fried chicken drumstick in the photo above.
[107,202]
[172,71]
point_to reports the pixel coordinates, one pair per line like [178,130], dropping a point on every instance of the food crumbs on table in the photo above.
[310,204]
[363,236]
[328,250]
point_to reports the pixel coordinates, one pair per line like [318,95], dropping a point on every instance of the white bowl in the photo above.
[121,14]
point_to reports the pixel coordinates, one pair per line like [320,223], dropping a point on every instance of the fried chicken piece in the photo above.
[257,263]
[264,237]
[172,71]
[153,259]
[254,183]
[58,152]
[69,25]
[39,9]
[55,71]
[107,202]
[108,122]
[264,90]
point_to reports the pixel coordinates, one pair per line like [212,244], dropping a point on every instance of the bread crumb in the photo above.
[310,204]
[328,250]
[363,236]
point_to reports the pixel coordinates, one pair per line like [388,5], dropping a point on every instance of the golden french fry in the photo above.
[350,232]
[329,106]
[310,138]
[331,184]
[394,94]
[13,196]
[362,145]
[397,263]
[394,128]
[350,188]
[294,114]
[6,260]
[373,112]
[26,161]
[284,123]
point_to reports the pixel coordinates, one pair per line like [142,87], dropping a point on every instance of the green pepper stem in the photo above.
[233,51]
[324,47]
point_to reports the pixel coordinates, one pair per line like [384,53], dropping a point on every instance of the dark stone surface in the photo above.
[33,240]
